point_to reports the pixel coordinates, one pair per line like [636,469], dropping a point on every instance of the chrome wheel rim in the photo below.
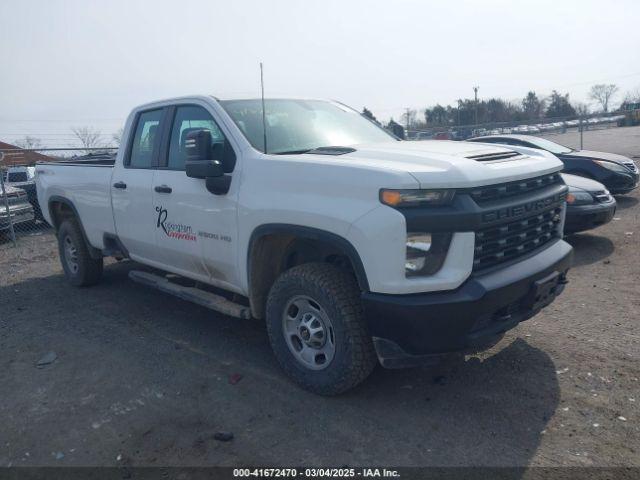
[308,332]
[70,254]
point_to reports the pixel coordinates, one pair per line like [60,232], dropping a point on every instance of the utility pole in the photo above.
[475,92]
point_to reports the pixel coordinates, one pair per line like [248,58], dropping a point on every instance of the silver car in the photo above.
[16,201]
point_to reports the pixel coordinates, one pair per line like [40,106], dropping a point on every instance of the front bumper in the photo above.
[415,329]
[586,217]
[619,183]
[19,214]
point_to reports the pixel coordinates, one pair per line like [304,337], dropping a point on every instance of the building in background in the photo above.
[19,156]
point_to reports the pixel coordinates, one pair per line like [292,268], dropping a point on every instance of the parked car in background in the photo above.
[19,207]
[589,204]
[443,136]
[25,178]
[20,174]
[616,172]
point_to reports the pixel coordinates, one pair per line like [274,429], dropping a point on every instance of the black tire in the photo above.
[87,270]
[338,295]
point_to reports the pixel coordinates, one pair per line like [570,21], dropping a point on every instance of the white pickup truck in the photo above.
[353,246]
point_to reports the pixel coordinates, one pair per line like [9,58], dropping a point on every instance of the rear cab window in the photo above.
[146,139]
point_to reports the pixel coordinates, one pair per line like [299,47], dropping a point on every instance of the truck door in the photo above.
[132,186]
[196,232]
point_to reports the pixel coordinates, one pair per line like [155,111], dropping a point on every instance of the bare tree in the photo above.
[409,118]
[88,137]
[117,136]
[29,142]
[581,108]
[632,96]
[602,94]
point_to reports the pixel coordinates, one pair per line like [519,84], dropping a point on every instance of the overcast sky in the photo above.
[68,62]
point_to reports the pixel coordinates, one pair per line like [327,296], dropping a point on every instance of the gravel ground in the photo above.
[141,378]
[625,141]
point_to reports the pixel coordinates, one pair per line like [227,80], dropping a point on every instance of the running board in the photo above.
[191,294]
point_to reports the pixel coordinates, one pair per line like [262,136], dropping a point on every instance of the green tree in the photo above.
[436,116]
[367,113]
[395,128]
[532,106]
[559,106]
[499,110]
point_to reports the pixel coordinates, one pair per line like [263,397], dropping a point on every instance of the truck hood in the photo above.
[450,164]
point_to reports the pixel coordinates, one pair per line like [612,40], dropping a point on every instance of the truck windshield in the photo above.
[297,126]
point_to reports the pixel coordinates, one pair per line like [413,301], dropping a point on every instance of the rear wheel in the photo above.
[317,330]
[79,267]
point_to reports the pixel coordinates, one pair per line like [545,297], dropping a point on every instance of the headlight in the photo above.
[414,198]
[579,197]
[616,167]
[426,253]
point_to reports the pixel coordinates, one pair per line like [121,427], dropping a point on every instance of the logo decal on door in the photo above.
[173,230]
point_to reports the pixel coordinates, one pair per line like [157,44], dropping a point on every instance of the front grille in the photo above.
[631,166]
[13,199]
[505,190]
[602,196]
[501,243]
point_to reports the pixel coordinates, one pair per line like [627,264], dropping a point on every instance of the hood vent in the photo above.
[332,150]
[496,156]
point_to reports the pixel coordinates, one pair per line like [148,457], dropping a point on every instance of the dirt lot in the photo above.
[625,141]
[144,378]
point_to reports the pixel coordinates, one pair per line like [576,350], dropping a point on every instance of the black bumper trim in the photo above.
[586,217]
[485,306]
[465,214]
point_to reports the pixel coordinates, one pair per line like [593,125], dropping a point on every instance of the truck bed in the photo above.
[86,160]
[84,183]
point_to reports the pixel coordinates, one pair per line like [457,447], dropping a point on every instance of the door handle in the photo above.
[120,185]
[163,189]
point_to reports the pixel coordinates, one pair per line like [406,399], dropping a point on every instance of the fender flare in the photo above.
[311,233]
[93,251]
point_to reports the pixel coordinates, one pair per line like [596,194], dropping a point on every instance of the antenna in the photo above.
[264,116]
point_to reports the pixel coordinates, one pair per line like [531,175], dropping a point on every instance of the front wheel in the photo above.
[317,330]
[79,267]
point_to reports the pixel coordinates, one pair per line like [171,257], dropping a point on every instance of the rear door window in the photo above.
[146,139]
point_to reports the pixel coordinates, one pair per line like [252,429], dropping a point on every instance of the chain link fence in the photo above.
[20,212]
[544,127]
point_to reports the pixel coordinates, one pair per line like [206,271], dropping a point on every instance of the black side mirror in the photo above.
[198,145]
[202,161]
[203,168]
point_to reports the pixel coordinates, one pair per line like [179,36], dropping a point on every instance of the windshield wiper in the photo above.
[293,152]
[330,150]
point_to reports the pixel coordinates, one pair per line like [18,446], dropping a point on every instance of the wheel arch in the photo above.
[61,208]
[275,244]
